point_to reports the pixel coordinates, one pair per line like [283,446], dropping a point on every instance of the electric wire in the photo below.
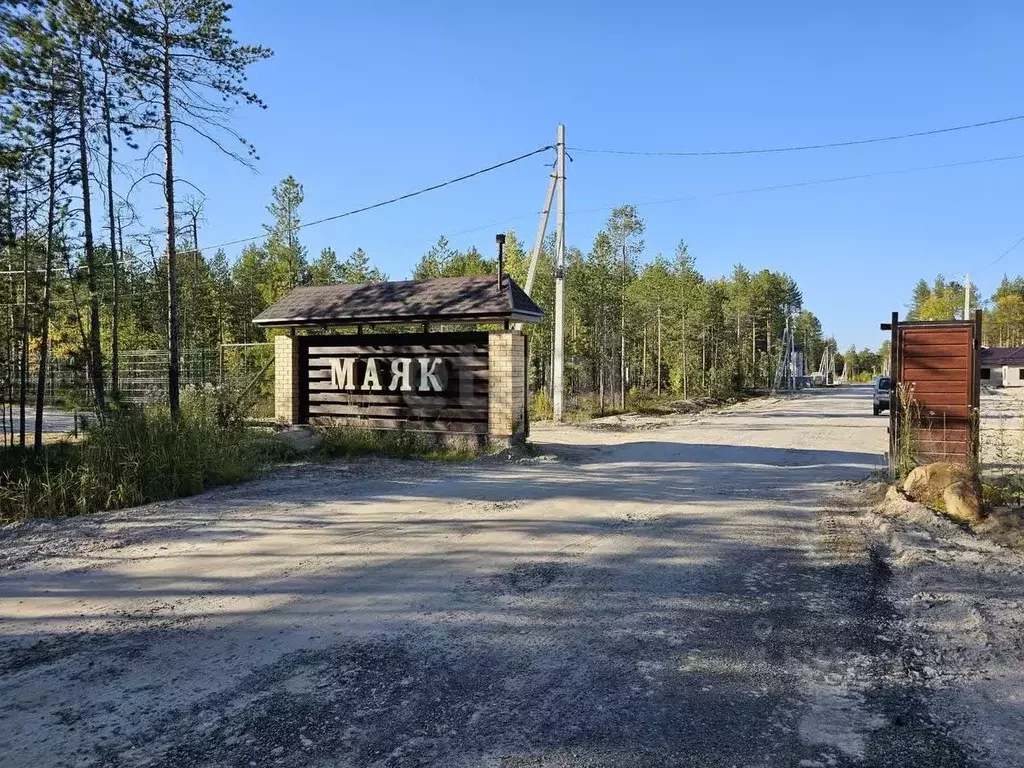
[383,203]
[1006,253]
[798,148]
[753,190]
[812,182]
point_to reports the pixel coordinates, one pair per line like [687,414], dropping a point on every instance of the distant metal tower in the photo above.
[784,370]
[827,368]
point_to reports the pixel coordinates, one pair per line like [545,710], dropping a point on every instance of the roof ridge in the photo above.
[465,298]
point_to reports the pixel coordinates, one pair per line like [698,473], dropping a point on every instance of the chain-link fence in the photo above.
[242,371]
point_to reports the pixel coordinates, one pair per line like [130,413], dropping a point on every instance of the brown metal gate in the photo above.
[935,391]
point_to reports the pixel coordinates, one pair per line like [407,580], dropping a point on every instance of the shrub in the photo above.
[132,455]
[541,407]
[349,442]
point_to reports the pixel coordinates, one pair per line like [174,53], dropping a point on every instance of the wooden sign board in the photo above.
[938,370]
[432,382]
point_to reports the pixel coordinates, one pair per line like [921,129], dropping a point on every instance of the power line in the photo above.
[812,182]
[772,188]
[55,268]
[382,203]
[1006,253]
[798,148]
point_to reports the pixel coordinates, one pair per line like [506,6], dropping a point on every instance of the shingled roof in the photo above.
[442,300]
[993,356]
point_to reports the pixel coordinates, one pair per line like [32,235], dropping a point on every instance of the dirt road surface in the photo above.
[685,592]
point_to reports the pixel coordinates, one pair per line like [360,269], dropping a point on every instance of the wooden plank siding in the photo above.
[462,406]
[938,369]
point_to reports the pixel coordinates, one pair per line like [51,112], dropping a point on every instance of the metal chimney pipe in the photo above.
[500,239]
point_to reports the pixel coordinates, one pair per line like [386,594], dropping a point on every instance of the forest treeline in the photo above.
[1002,312]
[97,98]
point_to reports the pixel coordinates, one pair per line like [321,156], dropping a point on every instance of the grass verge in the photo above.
[339,442]
[132,456]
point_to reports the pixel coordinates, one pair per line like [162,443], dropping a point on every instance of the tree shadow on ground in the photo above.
[501,616]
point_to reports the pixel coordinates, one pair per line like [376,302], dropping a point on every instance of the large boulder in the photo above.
[962,501]
[948,487]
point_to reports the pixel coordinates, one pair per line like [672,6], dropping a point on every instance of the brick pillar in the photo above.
[286,381]
[506,355]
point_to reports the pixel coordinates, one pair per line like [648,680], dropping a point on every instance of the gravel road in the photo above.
[686,591]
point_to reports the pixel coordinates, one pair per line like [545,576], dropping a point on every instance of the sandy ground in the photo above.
[1002,428]
[690,591]
[958,605]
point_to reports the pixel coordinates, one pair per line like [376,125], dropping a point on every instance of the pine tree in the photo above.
[357,269]
[325,269]
[190,66]
[287,256]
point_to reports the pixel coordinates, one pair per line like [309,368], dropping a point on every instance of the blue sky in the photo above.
[369,100]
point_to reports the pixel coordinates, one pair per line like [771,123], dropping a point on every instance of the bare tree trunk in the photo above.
[74,300]
[44,338]
[173,368]
[753,348]
[600,364]
[115,254]
[704,361]
[95,353]
[622,335]
[23,373]
[195,270]
[643,363]
[6,242]
[9,437]
[683,345]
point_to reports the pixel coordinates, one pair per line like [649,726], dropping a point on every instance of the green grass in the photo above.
[349,442]
[132,456]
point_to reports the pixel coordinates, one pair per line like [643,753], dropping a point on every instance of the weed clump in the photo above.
[133,455]
[343,442]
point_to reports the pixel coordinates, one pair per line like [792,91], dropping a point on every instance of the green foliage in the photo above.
[349,442]
[906,447]
[133,456]
[286,256]
[718,336]
[444,261]
[357,269]
[1003,324]
[541,407]
[943,300]
[862,365]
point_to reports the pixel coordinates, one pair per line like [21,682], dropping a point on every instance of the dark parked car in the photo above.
[880,397]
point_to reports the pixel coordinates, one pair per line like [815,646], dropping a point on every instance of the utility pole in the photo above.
[541,231]
[556,376]
[967,297]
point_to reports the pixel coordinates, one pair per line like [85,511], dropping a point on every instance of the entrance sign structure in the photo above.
[934,368]
[463,381]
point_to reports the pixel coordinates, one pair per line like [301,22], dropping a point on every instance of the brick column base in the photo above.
[506,385]
[286,382]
